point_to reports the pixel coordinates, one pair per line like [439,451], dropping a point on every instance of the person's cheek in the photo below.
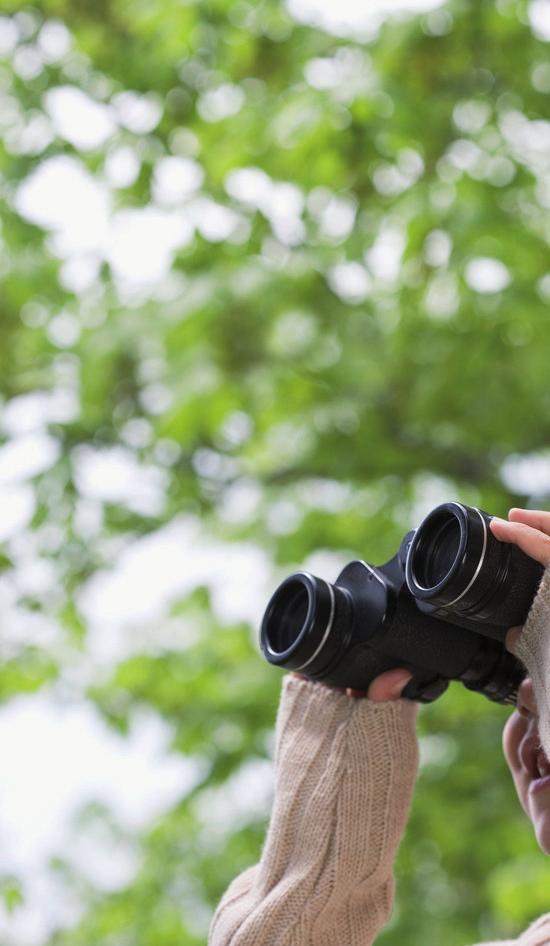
[513,733]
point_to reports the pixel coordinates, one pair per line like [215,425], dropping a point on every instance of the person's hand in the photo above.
[389,685]
[386,686]
[529,529]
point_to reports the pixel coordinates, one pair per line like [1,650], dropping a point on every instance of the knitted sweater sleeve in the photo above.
[533,649]
[345,771]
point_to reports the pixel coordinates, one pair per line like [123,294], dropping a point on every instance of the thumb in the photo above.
[511,639]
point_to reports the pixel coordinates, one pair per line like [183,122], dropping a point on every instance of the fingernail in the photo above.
[499,521]
[400,683]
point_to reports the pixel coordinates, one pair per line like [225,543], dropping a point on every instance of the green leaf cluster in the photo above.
[355,329]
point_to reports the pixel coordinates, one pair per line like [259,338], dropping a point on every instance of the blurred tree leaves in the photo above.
[315,365]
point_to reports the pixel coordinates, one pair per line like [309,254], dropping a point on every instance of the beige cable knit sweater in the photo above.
[345,773]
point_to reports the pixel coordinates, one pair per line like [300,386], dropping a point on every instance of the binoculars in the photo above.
[439,608]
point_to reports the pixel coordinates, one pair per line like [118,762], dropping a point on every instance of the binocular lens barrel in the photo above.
[456,564]
[441,547]
[446,556]
[440,607]
[287,616]
[297,624]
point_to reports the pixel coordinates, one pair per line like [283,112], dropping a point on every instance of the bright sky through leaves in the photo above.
[275,281]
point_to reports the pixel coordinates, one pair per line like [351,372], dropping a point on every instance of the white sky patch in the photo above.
[78,119]
[79,273]
[26,456]
[115,475]
[251,186]
[63,330]
[122,166]
[35,577]
[139,243]
[237,428]
[221,102]
[538,12]
[142,242]
[393,179]
[350,281]
[17,505]
[328,495]
[54,41]
[80,759]
[29,412]
[543,286]
[175,179]
[62,196]
[12,120]
[49,907]
[323,73]
[241,799]
[32,137]
[9,34]
[283,517]
[540,77]
[294,120]
[528,475]
[437,749]
[22,628]
[156,397]
[327,563]
[285,200]
[528,141]
[241,501]
[27,62]
[137,432]
[281,202]
[348,72]
[535,133]
[285,216]
[293,331]
[76,759]
[442,297]
[437,248]
[139,113]
[106,862]
[289,230]
[337,218]
[429,491]
[470,116]
[354,18]
[213,221]
[384,257]
[542,191]
[162,567]
[486,275]
[466,155]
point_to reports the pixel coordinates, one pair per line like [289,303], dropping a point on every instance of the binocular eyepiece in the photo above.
[439,608]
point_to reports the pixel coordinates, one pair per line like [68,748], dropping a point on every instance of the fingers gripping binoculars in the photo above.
[440,608]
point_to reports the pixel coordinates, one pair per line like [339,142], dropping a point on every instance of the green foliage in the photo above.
[10,891]
[314,374]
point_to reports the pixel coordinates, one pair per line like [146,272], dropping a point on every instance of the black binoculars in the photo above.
[439,608]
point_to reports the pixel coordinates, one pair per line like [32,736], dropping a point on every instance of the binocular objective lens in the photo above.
[441,552]
[447,555]
[288,616]
[298,623]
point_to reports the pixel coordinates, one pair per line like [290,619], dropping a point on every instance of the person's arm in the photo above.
[529,529]
[533,649]
[345,772]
